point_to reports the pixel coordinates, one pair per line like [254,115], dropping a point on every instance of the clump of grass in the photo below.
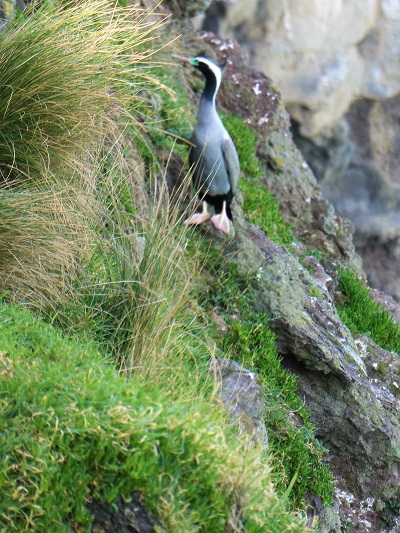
[137,284]
[43,237]
[57,91]
[297,457]
[64,98]
[362,315]
[75,427]
[260,206]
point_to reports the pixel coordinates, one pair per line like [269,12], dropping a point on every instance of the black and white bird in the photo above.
[213,155]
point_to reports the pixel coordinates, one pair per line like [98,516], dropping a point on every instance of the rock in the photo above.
[242,397]
[323,55]
[358,167]
[388,303]
[307,325]
[354,409]
[7,12]
[187,9]
[123,516]
[328,517]
[380,53]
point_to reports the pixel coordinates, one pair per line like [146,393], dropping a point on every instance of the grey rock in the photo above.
[242,397]
[388,303]
[324,56]
[328,517]
[7,12]
[357,165]
[187,9]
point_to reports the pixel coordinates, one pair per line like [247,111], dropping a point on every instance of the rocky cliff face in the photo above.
[324,55]
[337,64]
[354,407]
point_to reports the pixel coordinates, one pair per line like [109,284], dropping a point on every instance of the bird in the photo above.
[212,155]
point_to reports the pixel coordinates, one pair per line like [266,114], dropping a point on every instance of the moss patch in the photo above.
[260,206]
[72,426]
[362,315]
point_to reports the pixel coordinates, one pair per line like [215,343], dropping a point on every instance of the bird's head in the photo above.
[205,65]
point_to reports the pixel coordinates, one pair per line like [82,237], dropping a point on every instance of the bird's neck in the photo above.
[207,111]
[207,108]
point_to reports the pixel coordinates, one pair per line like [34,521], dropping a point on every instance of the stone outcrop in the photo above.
[352,402]
[323,55]
[358,167]
[242,397]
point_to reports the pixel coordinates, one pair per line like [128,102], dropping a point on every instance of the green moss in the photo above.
[260,206]
[362,315]
[297,456]
[262,209]
[391,512]
[314,291]
[245,140]
[72,426]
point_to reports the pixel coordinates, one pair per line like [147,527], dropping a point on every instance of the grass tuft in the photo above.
[57,91]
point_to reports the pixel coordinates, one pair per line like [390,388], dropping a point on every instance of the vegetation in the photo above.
[87,248]
[391,512]
[72,426]
[58,115]
[361,314]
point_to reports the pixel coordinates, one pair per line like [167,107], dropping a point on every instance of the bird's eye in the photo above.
[195,62]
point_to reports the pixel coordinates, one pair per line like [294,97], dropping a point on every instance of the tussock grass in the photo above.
[74,67]
[43,237]
[69,81]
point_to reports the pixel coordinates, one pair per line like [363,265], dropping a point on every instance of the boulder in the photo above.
[242,397]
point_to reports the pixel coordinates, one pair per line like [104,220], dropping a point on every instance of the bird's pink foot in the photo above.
[197,219]
[221,222]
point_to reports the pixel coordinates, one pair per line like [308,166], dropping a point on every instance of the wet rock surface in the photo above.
[242,397]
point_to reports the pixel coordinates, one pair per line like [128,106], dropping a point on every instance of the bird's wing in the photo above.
[231,162]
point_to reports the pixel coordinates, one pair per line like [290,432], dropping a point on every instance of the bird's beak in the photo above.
[181,58]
